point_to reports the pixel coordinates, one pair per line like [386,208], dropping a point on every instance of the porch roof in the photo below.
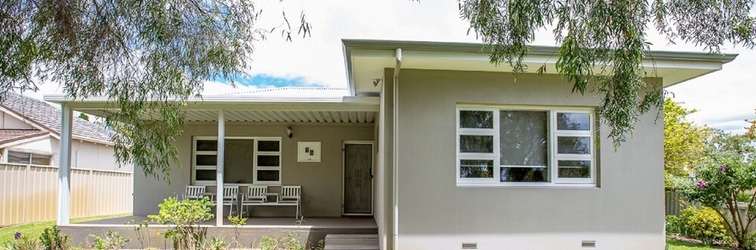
[248,108]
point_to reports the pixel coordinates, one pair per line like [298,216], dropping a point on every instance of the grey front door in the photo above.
[358,179]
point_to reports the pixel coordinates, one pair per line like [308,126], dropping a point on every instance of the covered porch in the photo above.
[260,139]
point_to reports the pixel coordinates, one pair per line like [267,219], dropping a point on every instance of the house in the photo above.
[441,148]
[29,146]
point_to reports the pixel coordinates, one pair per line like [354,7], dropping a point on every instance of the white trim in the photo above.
[552,158]
[256,139]
[343,175]
[220,169]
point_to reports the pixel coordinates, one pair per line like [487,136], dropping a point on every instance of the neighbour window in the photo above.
[525,146]
[265,162]
[28,158]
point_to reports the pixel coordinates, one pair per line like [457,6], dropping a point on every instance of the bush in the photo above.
[52,240]
[672,224]
[185,216]
[704,224]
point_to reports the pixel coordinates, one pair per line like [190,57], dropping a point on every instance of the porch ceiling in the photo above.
[284,116]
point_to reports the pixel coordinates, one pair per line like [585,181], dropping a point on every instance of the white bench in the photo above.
[290,196]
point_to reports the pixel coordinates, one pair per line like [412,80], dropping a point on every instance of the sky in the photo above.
[723,99]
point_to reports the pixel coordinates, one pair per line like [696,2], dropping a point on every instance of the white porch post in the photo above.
[219,171]
[64,165]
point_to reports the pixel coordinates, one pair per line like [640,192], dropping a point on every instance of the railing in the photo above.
[29,193]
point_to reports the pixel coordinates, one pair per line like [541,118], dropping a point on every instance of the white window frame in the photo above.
[254,162]
[552,158]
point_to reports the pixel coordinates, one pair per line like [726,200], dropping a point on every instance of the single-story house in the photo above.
[442,148]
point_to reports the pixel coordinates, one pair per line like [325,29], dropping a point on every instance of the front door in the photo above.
[358,178]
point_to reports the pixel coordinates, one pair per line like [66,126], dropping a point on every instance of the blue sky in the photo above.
[723,99]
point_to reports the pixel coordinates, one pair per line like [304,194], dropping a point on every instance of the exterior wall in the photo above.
[41,146]
[90,155]
[9,122]
[626,211]
[321,182]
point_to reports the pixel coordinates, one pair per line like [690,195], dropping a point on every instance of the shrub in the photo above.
[185,215]
[672,224]
[52,240]
[22,243]
[112,240]
[704,224]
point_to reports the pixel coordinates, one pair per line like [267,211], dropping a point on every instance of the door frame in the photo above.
[343,176]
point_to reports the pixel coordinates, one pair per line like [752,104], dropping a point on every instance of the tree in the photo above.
[684,141]
[147,57]
[727,172]
[751,129]
[602,43]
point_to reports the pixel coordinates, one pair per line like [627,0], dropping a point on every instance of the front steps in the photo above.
[351,242]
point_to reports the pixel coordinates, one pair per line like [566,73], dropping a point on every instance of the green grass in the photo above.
[679,245]
[34,230]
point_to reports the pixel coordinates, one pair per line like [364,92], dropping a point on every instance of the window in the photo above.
[247,160]
[28,158]
[511,146]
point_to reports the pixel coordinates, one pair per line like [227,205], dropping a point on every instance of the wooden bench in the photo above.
[289,196]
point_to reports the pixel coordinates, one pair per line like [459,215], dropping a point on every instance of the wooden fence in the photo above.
[29,193]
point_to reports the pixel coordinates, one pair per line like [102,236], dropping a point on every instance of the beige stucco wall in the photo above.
[321,182]
[625,212]
[90,155]
[9,122]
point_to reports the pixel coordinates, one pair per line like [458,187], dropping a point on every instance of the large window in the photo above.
[247,160]
[512,146]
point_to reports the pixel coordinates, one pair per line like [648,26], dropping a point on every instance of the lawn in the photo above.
[34,230]
[679,245]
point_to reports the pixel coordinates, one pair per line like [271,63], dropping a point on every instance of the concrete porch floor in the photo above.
[309,232]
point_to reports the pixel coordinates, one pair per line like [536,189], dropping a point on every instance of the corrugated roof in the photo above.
[48,116]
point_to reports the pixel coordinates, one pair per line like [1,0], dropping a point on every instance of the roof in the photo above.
[366,60]
[11,135]
[295,92]
[47,116]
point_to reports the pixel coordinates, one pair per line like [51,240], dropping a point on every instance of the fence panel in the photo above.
[29,193]
[673,202]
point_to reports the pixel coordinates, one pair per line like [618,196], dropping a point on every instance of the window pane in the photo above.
[268,160]
[205,175]
[207,160]
[267,175]
[476,144]
[574,169]
[476,169]
[17,157]
[523,138]
[574,145]
[268,146]
[207,145]
[573,121]
[475,119]
[540,174]
[40,159]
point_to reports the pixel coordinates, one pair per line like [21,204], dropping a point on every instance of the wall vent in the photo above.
[469,245]
[588,243]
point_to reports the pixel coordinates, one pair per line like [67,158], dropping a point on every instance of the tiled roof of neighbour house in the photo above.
[11,135]
[48,116]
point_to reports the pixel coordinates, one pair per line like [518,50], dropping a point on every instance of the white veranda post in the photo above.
[219,171]
[64,165]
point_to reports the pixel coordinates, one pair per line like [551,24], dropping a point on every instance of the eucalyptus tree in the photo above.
[602,43]
[147,57]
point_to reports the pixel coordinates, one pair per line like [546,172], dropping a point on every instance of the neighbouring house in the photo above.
[29,146]
[442,149]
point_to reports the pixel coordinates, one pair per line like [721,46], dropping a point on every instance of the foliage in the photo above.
[727,171]
[683,140]
[147,57]
[704,224]
[751,129]
[185,216]
[602,43]
[216,243]
[673,225]
[288,242]
[51,239]
[237,221]
[112,240]
[673,244]
[22,242]
[142,232]
[34,230]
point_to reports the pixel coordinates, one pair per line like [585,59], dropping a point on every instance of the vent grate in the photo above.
[588,243]
[469,245]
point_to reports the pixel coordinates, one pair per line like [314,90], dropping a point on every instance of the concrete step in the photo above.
[352,239]
[351,247]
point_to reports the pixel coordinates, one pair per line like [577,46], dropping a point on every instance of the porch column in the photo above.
[64,165]
[219,171]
